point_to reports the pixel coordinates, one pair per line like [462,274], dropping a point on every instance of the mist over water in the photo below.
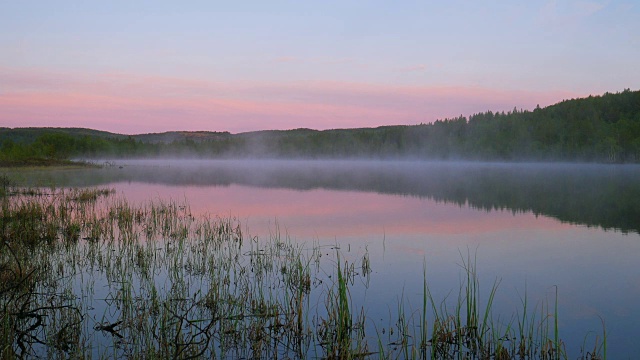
[532,226]
[588,194]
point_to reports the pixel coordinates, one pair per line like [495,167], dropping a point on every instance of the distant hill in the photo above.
[173,136]
[602,128]
[30,134]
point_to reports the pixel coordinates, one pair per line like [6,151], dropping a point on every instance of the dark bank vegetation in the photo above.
[86,274]
[42,162]
[595,129]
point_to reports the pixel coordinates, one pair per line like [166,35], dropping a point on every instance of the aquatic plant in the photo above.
[87,274]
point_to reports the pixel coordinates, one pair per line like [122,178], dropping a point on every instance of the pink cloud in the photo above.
[419,67]
[286,59]
[132,103]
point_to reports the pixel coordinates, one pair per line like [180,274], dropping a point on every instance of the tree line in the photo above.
[602,128]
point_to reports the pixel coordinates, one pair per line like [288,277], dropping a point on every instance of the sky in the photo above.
[153,66]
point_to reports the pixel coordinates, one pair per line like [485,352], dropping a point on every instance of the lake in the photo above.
[533,229]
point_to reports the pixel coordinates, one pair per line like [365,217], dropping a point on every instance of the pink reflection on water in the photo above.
[329,213]
[588,266]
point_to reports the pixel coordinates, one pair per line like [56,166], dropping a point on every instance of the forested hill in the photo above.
[598,128]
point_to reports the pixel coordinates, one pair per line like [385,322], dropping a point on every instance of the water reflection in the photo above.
[405,212]
[593,195]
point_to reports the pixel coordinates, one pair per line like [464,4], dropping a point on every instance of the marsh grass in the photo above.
[471,330]
[87,274]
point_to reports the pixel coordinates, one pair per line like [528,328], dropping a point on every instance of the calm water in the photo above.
[532,227]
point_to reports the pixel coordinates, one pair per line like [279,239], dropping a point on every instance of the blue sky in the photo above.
[155,66]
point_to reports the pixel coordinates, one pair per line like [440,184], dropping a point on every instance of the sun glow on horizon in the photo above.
[136,104]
